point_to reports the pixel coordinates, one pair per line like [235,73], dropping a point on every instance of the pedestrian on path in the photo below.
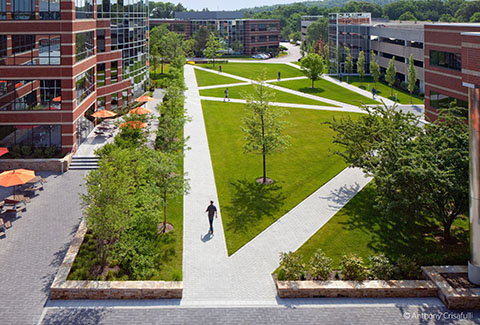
[226,95]
[219,68]
[374,91]
[279,75]
[212,211]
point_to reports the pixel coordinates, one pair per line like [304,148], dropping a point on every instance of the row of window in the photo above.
[31,50]
[84,45]
[25,9]
[263,27]
[446,60]
[21,95]
[264,38]
[84,85]
[31,135]
[439,101]
[101,73]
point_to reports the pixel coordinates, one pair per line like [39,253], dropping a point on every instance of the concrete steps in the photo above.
[84,163]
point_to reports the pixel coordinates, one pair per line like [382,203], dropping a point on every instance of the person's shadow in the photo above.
[206,237]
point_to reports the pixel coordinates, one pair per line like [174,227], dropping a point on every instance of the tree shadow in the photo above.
[252,202]
[338,198]
[309,90]
[84,316]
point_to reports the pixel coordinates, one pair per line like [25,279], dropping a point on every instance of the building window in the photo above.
[31,135]
[3,9]
[252,27]
[100,103]
[49,9]
[125,98]
[252,39]
[21,95]
[51,94]
[262,27]
[273,38]
[83,9]
[84,46]
[84,85]
[22,49]
[3,48]
[100,74]
[446,60]
[100,40]
[418,63]
[262,38]
[23,9]
[114,72]
[114,101]
[49,49]
[441,101]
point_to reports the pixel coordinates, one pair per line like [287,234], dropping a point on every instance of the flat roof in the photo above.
[207,15]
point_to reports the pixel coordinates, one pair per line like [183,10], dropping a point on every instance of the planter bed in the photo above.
[356,289]
[66,289]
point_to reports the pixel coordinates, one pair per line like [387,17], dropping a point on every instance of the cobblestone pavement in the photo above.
[285,314]
[35,245]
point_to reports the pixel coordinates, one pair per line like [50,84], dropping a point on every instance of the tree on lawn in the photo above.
[263,125]
[348,62]
[391,74]
[339,57]
[361,65]
[158,44]
[168,180]
[312,67]
[212,50]
[412,77]
[374,69]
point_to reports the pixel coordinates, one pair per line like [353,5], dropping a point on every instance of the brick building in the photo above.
[61,61]
[254,35]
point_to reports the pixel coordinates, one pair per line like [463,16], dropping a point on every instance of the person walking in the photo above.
[279,75]
[219,68]
[374,91]
[226,95]
[212,211]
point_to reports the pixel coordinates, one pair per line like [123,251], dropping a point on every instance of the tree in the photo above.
[262,125]
[348,62]
[361,65]
[158,43]
[295,37]
[237,46]
[407,16]
[201,38]
[312,67]
[317,31]
[391,74]
[212,49]
[412,77]
[475,18]
[339,57]
[374,68]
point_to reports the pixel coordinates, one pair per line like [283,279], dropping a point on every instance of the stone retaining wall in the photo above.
[356,289]
[66,289]
[53,164]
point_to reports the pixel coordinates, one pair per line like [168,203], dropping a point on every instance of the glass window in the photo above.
[446,60]
[84,85]
[23,9]
[125,98]
[31,135]
[84,46]
[439,101]
[114,72]
[262,27]
[22,95]
[49,49]
[49,9]
[100,40]
[100,103]
[83,9]
[3,9]
[100,74]
[3,47]
[51,94]
[114,101]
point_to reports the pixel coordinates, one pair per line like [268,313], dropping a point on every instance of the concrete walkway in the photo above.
[210,276]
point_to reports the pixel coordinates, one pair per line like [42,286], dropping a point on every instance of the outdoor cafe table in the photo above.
[13,199]
[35,180]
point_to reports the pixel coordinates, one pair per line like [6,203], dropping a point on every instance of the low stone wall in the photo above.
[66,289]
[53,164]
[453,298]
[356,289]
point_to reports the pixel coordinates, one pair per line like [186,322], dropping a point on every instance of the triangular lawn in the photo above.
[247,208]
[205,78]
[254,70]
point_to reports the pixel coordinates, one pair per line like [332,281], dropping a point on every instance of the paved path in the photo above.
[35,245]
[210,276]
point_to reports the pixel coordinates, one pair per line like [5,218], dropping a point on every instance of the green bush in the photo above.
[26,151]
[408,268]
[381,268]
[38,153]
[291,267]
[320,266]
[50,151]
[16,152]
[352,268]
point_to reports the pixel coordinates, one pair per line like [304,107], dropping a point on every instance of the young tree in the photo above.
[374,69]
[200,38]
[412,77]
[348,62]
[295,37]
[361,65]
[312,67]
[212,49]
[317,31]
[262,125]
[391,75]
[339,57]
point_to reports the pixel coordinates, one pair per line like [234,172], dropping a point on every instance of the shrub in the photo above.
[38,153]
[408,268]
[16,152]
[50,151]
[381,268]
[291,266]
[352,268]
[320,265]
[26,151]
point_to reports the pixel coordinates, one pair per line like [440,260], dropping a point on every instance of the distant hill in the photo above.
[323,4]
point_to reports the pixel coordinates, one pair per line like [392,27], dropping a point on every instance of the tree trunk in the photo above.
[263,154]
[313,84]
[410,97]
[347,79]
[391,91]
[162,68]
[447,225]
[164,212]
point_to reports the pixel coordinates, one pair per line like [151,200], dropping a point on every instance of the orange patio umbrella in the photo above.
[140,110]
[134,124]
[16,177]
[104,114]
[143,99]
[57,99]
[3,151]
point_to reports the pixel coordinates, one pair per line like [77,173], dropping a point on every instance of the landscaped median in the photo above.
[67,289]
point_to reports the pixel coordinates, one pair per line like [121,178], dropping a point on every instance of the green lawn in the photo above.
[247,207]
[383,90]
[253,70]
[328,90]
[280,96]
[205,78]
[359,228]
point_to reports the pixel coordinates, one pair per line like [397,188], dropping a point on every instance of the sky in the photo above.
[227,4]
